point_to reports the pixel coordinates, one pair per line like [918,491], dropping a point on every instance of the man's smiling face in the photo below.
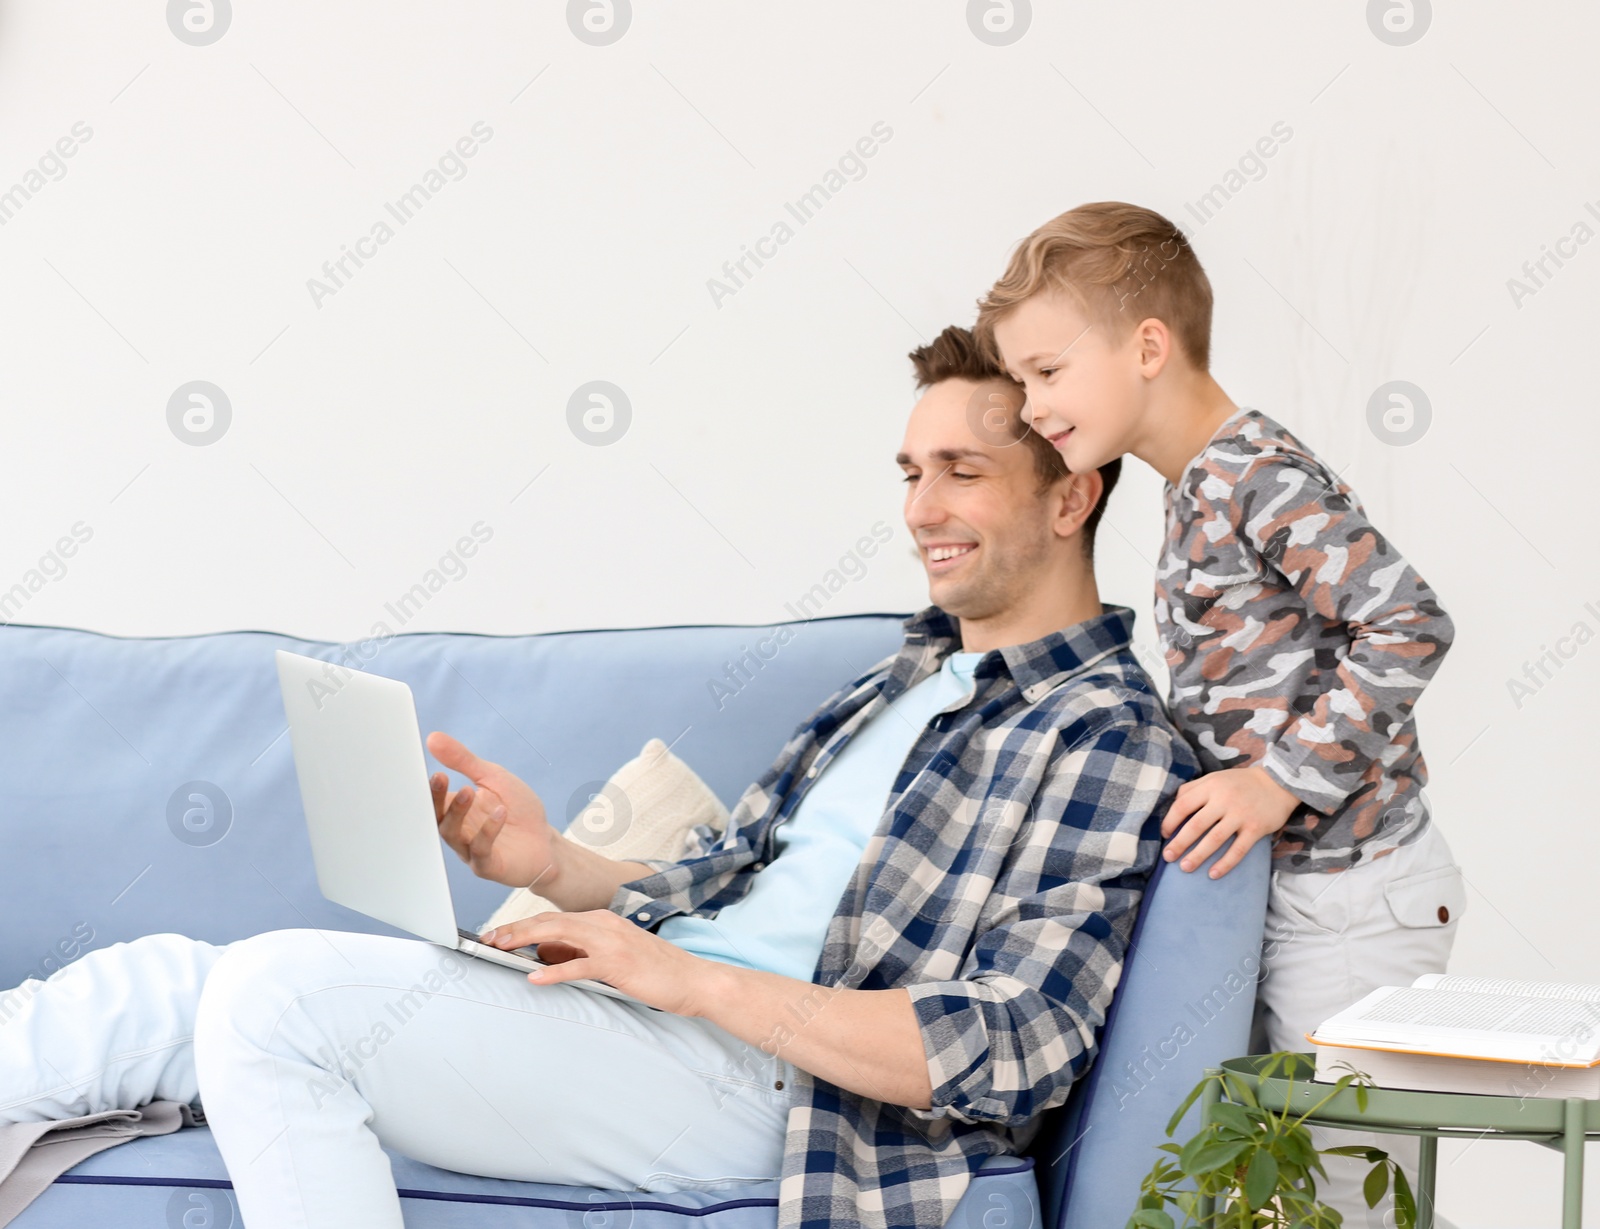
[983,528]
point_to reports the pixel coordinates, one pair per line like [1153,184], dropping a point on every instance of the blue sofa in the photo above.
[103,740]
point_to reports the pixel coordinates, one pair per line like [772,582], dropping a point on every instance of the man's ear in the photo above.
[1076,496]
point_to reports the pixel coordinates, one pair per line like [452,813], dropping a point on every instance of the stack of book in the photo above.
[1469,1035]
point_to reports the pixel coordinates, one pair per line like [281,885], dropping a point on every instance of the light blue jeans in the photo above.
[308,1049]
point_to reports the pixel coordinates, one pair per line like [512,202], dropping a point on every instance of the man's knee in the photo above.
[255,978]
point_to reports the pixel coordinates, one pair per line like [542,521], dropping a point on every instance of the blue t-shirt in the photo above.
[779,925]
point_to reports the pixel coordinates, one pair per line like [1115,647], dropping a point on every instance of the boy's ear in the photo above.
[1155,346]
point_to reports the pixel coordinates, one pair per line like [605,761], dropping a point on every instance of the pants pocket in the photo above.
[1429,899]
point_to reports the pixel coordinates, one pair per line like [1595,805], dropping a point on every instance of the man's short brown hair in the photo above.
[1122,264]
[956,355]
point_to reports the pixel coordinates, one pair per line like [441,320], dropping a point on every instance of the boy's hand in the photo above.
[1244,803]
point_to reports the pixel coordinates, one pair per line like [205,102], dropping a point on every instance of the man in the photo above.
[889,965]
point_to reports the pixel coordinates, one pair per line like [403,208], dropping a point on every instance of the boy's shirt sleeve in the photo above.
[1309,527]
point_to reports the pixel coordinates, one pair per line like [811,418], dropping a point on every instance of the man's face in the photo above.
[983,529]
[1084,387]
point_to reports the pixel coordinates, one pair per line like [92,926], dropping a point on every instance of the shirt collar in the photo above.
[1038,666]
[1226,429]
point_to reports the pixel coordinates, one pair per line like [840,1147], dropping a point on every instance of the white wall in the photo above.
[373,427]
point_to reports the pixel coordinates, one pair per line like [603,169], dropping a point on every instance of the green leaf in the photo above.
[1233,1117]
[1191,1149]
[1405,1203]
[1260,1180]
[1377,1184]
[1296,1146]
[1240,1091]
[1194,1095]
[1362,1151]
[1150,1218]
[1213,1156]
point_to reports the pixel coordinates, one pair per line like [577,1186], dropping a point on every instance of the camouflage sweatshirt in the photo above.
[1298,639]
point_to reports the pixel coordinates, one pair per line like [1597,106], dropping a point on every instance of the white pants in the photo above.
[309,1048]
[1331,940]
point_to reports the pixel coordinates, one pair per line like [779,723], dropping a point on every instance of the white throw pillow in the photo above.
[648,809]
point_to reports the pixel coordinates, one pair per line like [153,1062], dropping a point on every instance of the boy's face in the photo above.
[1084,387]
[972,494]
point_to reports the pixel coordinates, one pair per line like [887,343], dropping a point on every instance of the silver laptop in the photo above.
[358,752]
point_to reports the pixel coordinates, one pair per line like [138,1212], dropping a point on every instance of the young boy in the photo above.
[1297,637]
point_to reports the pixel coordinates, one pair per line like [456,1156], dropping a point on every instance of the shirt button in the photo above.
[644,917]
[778,1084]
[755,866]
[1444,914]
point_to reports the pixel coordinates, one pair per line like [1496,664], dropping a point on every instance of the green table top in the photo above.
[1394,1110]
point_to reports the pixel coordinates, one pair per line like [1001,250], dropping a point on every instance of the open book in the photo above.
[1469,1034]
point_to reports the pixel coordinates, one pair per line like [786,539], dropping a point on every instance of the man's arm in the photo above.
[1004,1041]
[579,878]
[1008,1039]
[866,1041]
[825,1031]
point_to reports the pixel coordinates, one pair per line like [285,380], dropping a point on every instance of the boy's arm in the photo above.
[1319,539]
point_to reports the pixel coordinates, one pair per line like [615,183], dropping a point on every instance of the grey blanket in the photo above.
[34,1154]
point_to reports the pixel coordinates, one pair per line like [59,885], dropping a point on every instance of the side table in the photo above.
[1562,1125]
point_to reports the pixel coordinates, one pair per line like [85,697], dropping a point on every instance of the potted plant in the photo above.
[1258,1167]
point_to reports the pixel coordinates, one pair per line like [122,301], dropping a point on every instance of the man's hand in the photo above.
[1244,803]
[603,945]
[499,829]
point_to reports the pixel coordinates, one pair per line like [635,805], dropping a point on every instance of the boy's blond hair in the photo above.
[1122,264]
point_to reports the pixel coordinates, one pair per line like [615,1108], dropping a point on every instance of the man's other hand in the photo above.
[499,828]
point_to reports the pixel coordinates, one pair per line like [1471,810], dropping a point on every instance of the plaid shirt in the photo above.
[999,889]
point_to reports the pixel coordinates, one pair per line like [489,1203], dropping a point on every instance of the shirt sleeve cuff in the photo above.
[627,899]
[943,1010]
[1305,783]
